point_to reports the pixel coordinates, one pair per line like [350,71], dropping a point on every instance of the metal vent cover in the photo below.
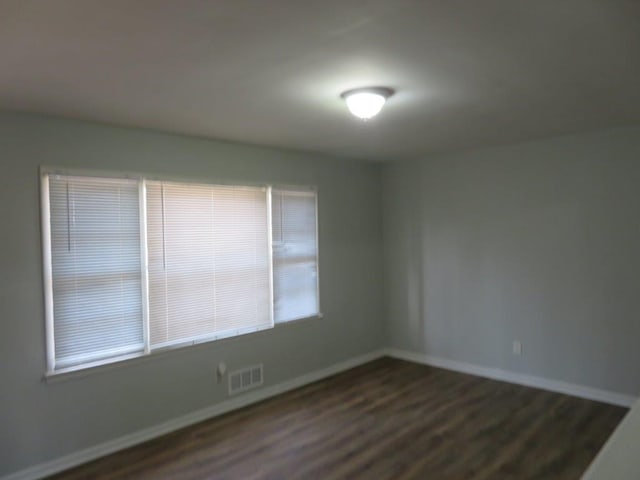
[245,379]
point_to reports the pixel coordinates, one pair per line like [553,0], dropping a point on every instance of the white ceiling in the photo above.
[467,73]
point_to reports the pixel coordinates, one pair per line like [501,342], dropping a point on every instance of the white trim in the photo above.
[319,313]
[313,316]
[83,456]
[47,273]
[208,337]
[144,263]
[96,358]
[136,175]
[128,360]
[79,368]
[558,386]
[303,188]
[272,314]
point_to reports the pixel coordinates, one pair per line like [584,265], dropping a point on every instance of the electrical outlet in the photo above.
[517,347]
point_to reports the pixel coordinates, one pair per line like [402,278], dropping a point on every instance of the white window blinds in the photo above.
[95,268]
[209,262]
[135,265]
[295,254]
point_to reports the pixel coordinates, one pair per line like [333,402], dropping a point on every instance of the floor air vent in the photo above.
[245,379]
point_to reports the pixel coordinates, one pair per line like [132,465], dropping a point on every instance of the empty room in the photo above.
[355,239]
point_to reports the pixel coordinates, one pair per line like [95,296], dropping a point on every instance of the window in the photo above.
[137,265]
[295,254]
[95,269]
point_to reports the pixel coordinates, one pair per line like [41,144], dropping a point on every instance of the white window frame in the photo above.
[51,373]
[314,190]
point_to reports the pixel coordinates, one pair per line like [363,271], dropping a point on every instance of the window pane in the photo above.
[295,255]
[95,260]
[208,261]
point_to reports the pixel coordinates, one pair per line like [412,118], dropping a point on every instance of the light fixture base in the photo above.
[385,92]
[366,103]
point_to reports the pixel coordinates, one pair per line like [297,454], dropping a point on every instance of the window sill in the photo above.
[316,316]
[71,373]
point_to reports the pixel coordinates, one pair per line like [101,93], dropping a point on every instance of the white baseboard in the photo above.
[111,446]
[582,391]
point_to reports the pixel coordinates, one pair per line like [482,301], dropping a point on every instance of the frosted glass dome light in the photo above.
[366,103]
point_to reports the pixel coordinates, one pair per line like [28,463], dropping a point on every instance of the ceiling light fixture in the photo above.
[366,103]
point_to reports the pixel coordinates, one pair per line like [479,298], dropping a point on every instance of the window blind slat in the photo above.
[95,244]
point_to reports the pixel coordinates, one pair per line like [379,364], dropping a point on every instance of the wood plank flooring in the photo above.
[388,419]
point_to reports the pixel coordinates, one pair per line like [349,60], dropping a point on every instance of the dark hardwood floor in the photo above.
[388,419]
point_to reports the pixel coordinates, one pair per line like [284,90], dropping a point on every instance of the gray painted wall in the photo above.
[40,421]
[538,242]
